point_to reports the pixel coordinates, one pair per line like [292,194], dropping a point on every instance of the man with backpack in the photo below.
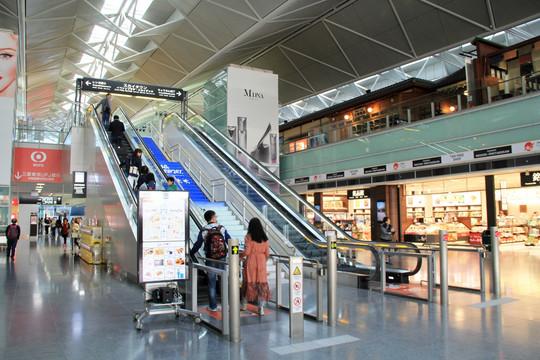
[13,233]
[215,239]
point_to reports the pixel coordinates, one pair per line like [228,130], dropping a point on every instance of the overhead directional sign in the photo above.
[120,87]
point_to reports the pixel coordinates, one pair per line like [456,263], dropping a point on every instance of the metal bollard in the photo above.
[234,290]
[495,261]
[296,296]
[332,280]
[443,264]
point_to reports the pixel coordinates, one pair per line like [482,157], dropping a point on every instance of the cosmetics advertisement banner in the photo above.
[8,84]
[252,115]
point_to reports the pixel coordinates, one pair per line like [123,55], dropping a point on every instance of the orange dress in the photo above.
[255,283]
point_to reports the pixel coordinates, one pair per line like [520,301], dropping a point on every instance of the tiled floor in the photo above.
[55,307]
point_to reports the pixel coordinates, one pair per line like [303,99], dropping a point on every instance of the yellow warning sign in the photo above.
[297,271]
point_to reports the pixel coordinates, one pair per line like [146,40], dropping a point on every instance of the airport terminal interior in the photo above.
[390,150]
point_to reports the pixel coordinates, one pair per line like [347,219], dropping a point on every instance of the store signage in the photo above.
[425,162]
[530,178]
[301,180]
[335,175]
[501,150]
[37,165]
[79,184]
[49,200]
[356,194]
[517,148]
[374,169]
[120,87]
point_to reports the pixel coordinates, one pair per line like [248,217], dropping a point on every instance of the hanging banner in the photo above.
[37,165]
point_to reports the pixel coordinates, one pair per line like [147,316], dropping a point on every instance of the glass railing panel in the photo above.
[505,123]
[420,108]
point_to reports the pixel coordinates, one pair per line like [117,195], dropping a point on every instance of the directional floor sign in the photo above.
[120,87]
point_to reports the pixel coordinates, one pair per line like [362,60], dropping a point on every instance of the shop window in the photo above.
[528,160]
[501,164]
[423,173]
[441,171]
[407,175]
[481,166]
[459,169]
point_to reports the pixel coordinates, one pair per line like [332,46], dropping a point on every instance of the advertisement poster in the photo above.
[8,86]
[162,232]
[252,115]
[37,165]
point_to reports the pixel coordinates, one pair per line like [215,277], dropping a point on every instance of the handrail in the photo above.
[406,108]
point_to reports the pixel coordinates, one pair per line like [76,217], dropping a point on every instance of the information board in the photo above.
[162,231]
[121,87]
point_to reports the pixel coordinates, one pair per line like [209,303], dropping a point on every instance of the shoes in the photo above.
[211,309]
[260,311]
[243,306]
[64,245]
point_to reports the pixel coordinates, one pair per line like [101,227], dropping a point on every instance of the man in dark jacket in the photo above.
[117,130]
[13,233]
[133,166]
[106,106]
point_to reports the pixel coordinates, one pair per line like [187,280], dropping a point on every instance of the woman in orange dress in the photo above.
[256,252]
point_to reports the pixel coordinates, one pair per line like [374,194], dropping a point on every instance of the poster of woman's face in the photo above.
[8,64]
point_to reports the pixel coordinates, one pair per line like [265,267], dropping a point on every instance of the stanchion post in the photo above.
[332,279]
[234,290]
[296,296]
[443,264]
[495,263]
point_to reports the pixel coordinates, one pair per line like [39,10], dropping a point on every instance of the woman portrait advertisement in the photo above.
[8,64]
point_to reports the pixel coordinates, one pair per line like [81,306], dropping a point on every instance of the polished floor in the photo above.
[55,307]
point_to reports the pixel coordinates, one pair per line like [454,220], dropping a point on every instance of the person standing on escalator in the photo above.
[116,128]
[106,106]
[133,166]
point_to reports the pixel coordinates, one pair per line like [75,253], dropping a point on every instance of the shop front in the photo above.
[457,205]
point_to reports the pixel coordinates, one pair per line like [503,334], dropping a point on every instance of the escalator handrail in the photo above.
[111,151]
[207,139]
[157,166]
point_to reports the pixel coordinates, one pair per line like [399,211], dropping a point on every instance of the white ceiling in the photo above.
[313,45]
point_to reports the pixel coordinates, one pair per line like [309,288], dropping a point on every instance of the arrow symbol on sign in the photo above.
[18,176]
[235,250]
[88,82]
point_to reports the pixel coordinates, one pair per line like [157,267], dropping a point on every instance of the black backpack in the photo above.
[12,232]
[214,243]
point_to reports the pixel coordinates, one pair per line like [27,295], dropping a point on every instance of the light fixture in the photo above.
[346,117]
[369,109]
[452,108]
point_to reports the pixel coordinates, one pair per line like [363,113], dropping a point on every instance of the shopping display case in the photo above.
[429,233]
[91,244]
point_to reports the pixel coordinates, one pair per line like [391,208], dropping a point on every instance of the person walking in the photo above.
[65,232]
[13,233]
[215,239]
[254,277]
[386,230]
[133,166]
[75,234]
[47,225]
[57,227]
[116,128]
[106,107]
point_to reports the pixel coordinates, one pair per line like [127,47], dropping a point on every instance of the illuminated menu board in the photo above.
[162,235]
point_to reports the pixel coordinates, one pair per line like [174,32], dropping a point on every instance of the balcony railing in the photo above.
[485,91]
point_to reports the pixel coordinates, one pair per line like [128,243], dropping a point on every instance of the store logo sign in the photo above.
[253,95]
[530,178]
[38,156]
